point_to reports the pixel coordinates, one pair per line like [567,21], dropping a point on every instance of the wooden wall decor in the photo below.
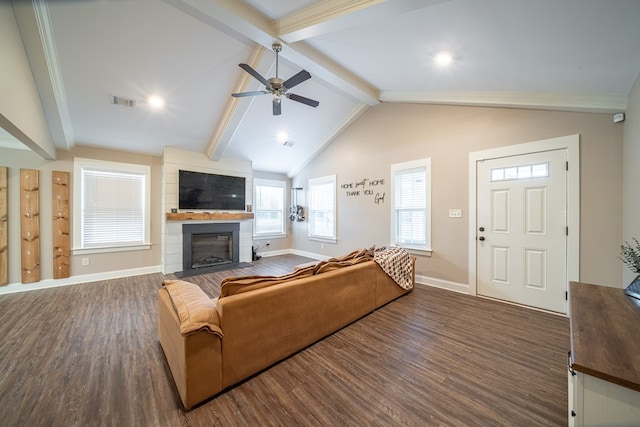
[30,225]
[4,261]
[61,246]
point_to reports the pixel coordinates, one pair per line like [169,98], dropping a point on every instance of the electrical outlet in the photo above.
[85,261]
[321,245]
[455,213]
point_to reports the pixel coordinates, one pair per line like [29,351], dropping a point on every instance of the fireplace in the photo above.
[208,245]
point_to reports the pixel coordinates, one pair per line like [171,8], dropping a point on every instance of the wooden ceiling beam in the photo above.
[333,15]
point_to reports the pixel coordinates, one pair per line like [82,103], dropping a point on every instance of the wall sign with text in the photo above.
[369,188]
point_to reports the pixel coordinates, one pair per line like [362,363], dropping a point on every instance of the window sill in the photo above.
[269,236]
[416,251]
[105,249]
[323,239]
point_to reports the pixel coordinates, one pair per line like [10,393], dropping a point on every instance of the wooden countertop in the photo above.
[199,216]
[605,334]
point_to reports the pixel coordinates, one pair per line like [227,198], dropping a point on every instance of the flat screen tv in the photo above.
[206,191]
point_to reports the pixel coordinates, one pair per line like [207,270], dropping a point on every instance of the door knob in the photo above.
[481,229]
[481,238]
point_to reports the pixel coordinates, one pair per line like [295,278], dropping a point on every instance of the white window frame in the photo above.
[269,183]
[79,166]
[406,166]
[313,183]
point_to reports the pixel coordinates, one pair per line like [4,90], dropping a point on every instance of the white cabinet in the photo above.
[596,402]
[572,397]
[604,363]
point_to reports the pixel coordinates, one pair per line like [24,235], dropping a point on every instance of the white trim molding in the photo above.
[268,254]
[13,288]
[580,102]
[448,285]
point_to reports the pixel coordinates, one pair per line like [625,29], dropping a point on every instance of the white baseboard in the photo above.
[75,280]
[310,255]
[462,288]
[294,252]
[268,254]
[87,278]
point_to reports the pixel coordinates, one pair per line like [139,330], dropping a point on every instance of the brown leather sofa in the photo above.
[212,344]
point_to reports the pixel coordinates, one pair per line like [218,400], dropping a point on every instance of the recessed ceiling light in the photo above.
[443,58]
[282,137]
[155,102]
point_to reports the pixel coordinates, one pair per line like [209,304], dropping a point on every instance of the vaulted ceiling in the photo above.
[578,55]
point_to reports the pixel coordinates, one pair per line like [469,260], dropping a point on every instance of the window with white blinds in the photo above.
[269,213]
[411,204]
[322,208]
[111,205]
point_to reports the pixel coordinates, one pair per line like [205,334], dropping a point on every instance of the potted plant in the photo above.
[630,256]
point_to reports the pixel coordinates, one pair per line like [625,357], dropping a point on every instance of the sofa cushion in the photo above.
[194,308]
[237,285]
[330,265]
[240,284]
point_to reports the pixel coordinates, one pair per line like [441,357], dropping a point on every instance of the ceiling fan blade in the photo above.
[297,79]
[302,99]
[254,93]
[277,107]
[255,74]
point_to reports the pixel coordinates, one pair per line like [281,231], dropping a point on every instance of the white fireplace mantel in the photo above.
[172,256]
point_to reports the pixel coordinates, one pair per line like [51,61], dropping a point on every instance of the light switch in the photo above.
[455,213]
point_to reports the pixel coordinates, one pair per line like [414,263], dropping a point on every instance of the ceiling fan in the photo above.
[278,87]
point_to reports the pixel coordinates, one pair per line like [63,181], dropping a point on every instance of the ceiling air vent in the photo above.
[118,100]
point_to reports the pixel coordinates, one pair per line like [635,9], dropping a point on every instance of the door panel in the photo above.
[536,268]
[535,211]
[521,237]
[501,265]
[501,214]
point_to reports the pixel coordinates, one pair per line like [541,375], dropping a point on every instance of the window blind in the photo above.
[113,208]
[410,206]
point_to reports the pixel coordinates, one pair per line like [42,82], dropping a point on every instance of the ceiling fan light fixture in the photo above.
[278,87]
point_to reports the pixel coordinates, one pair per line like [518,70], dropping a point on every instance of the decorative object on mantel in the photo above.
[4,262]
[203,216]
[30,225]
[630,256]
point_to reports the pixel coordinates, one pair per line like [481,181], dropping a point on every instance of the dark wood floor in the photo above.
[88,355]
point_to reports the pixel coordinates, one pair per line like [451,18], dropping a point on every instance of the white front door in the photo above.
[521,229]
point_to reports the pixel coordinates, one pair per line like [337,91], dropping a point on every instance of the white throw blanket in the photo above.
[397,263]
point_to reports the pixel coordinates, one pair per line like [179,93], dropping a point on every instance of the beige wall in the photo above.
[631,175]
[21,112]
[98,263]
[391,133]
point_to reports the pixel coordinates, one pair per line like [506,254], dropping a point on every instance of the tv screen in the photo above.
[197,190]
